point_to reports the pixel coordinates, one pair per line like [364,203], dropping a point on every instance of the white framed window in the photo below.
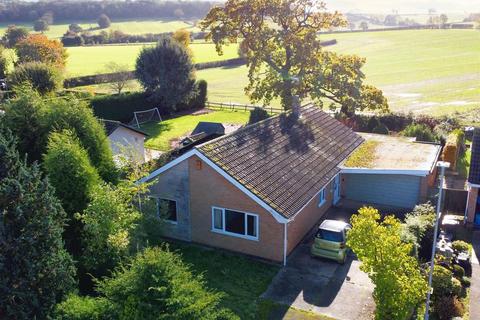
[322,197]
[167,210]
[235,223]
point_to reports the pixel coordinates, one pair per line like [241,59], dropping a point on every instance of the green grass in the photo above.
[129,26]
[424,71]
[240,280]
[92,59]
[162,133]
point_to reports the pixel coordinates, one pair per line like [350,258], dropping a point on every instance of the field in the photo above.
[130,26]
[92,59]
[162,133]
[424,71]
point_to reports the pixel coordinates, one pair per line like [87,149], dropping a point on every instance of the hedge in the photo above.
[454,146]
[103,78]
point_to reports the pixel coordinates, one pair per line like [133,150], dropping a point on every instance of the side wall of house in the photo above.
[173,184]
[471,204]
[306,219]
[128,143]
[207,189]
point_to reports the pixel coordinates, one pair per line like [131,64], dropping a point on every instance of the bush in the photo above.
[40,25]
[466,282]
[257,114]
[85,308]
[460,246]
[157,284]
[420,131]
[448,307]
[418,229]
[42,77]
[37,47]
[182,36]
[167,73]
[427,121]
[120,107]
[456,287]
[103,21]
[75,27]
[381,129]
[3,63]
[442,283]
[69,170]
[13,35]
[458,271]
[372,123]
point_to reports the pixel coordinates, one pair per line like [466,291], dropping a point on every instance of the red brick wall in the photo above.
[208,188]
[305,220]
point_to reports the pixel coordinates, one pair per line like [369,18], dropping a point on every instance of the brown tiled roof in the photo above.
[283,160]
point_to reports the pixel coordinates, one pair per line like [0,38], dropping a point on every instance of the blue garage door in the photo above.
[389,190]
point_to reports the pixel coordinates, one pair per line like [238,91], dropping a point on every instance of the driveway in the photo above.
[322,286]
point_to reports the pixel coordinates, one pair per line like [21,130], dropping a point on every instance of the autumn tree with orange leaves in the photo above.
[38,48]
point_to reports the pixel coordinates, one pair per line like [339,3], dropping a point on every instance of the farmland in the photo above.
[424,71]
[92,59]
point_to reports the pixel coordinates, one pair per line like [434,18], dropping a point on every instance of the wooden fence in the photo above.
[240,107]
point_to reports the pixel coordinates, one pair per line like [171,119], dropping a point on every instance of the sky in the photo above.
[404,6]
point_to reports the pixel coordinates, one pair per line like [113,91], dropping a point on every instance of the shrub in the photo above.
[420,132]
[72,41]
[3,63]
[182,36]
[120,107]
[14,34]
[448,307]
[157,284]
[69,170]
[41,76]
[442,283]
[257,114]
[459,246]
[103,21]
[167,73]
[372,123]
[458,271]
[74,27]
[40,25]
[466,281]
[418,229]
[85,308]
[381,129]
[427,121]
[456,287]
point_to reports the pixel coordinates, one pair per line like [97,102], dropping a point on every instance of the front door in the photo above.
[336,189]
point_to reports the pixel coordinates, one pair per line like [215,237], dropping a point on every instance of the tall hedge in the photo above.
[35,270]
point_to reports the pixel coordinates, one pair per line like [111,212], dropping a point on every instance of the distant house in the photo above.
[473,200]
[203,132]
[260,189]
[125,141]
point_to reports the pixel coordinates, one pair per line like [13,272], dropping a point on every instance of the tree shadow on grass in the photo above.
[155,129]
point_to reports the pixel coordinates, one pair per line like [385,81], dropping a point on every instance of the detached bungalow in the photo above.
[260,189]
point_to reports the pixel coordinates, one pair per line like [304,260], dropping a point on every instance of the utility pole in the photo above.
[442,165]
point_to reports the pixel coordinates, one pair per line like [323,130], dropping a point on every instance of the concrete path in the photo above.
[323,287]
[475,287]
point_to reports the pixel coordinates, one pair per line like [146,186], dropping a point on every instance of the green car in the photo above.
[330,241]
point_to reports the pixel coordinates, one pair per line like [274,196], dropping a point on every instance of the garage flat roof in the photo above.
[392,153]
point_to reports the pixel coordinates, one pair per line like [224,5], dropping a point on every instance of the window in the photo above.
[322,197]
[167,209]
[235,223]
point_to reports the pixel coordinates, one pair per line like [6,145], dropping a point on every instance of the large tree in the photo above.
[166,72]
[35,270]
[400,287]
[284,54]
[14,34]
[42,77]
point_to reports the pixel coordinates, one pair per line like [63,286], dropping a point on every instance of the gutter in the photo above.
[285,243]
[420,173]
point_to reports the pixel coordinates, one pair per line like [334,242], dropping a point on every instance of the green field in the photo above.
[130,26]
[162,133]
[424,71]
[92,59]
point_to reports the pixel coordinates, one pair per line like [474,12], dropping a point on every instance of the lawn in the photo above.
[128,26]
[162,133]
[241,280]
[92,59]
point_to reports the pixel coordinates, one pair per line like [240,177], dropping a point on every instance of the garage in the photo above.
[389,171]
[400,191]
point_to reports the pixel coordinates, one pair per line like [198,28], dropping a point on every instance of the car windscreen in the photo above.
[335,236]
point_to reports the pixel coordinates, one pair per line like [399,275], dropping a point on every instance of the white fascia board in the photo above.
[473,185]
[420,173]
[251,195]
